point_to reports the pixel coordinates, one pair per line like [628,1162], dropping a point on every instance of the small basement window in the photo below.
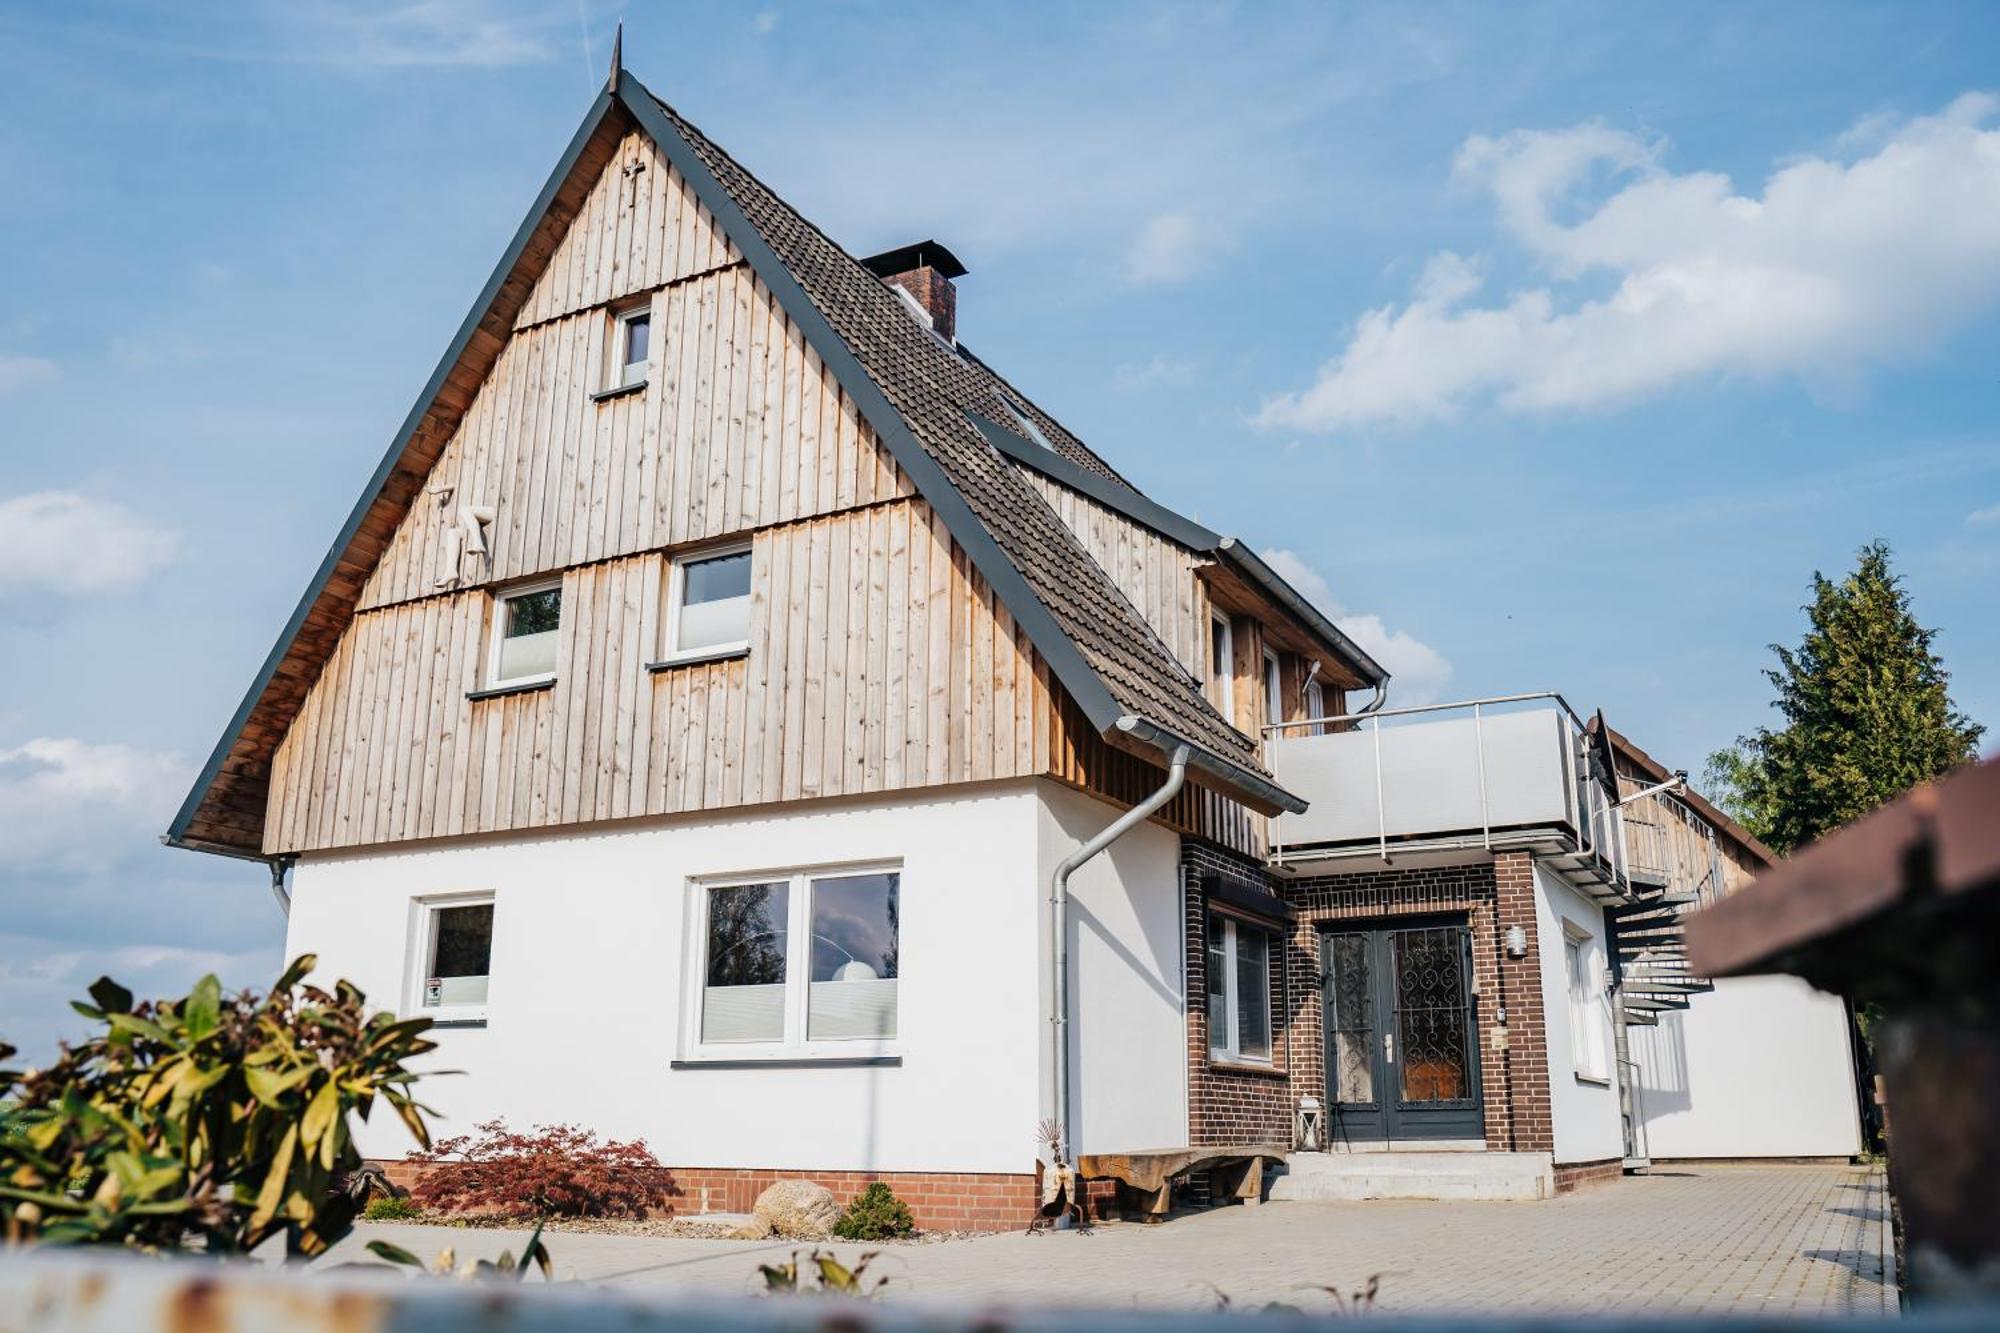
[455,953]
[800,964]
[1239,990]
[633,346]
[709,612]
[526,625]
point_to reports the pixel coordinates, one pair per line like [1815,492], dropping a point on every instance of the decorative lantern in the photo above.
[1312,1125]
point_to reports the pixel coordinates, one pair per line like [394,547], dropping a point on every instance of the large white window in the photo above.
[454,954]
[1222,663]
[632,346]
[708,612]
[797,964]
[526,622]
[1589,1013]
[1274,694]
[1240,958]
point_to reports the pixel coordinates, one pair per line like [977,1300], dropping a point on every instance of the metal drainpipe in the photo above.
[1059,933]
[279,865]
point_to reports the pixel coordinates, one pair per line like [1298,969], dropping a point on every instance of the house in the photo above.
[1737,1067]
[706,710]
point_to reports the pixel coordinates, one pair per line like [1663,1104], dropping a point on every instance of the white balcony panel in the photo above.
[1430,776]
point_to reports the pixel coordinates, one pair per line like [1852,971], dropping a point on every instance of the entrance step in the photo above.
[1341,1177]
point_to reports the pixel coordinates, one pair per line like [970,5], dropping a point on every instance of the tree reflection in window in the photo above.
[746,935]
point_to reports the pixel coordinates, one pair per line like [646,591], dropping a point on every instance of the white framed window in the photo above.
[1589,1015]
[527,622]
[1240,958]
[451,958]
[708,605]
[795,964]
[1222,662]
[631,346]
[1315,705]
[1274,693]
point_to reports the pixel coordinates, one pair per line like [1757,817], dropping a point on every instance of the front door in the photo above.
[1402,1061]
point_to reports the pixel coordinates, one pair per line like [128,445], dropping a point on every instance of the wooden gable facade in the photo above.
[879,658]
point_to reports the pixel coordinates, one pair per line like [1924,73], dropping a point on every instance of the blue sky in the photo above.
[1551,345]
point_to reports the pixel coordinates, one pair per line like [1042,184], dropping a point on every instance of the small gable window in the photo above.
[1222,663]
[634,347]
[709,615]
[1274,694]
[526,623]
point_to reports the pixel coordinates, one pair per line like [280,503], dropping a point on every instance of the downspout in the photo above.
[279,865]
[1059,937]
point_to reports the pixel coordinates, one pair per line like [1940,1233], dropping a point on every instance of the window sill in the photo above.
[518,687]
[1593,1080]
[789,1062]
[722,653]
[463,1018]
[1245,1067]
[617,391]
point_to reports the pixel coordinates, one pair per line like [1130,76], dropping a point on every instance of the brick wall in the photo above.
[938,1201]
[1490,895]
[1576,1174]
[1233,1103]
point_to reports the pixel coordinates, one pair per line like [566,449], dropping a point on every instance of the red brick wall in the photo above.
[938,1201]
[1576,1174]
[1227,1105]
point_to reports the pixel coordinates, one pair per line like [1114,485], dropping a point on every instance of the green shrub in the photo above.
[875,1214]
[214,1121]
[389,1208]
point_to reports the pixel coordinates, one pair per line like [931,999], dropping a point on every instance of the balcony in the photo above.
[1490,774]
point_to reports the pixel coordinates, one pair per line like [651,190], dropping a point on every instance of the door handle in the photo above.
[1389,1048]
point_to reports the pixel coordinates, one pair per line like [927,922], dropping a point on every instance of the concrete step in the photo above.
[1343,1177]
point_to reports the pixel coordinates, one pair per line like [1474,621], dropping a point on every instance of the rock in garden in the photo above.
[797,1209]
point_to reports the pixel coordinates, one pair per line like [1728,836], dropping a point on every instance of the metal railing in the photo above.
[1588,806]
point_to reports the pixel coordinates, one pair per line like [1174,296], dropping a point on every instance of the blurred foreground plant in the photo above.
[207,1121]
[833,1278]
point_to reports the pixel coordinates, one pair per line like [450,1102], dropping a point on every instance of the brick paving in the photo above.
[1795,1240]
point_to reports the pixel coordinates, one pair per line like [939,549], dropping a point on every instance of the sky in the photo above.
[1549,346]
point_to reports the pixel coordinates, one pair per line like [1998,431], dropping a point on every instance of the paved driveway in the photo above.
[1786,1239]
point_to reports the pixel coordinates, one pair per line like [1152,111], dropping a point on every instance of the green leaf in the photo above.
[301,965]
[537,1253]
[132,1025]
[110,996]
[394,1254]
[269,1086]
[273,1192]
[319,1114]
[203,1013]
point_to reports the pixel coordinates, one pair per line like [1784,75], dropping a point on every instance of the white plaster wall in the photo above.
[1759,1067]
[1128,1031]
[586,996]
[1588,1124]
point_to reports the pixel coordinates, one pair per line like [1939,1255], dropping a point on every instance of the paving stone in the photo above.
[1687,1239]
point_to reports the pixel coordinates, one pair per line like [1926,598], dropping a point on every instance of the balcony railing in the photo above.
[1503,772]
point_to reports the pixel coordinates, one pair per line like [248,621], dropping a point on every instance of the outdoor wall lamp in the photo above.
[1517,942]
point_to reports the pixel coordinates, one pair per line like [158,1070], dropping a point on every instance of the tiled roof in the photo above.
[932,386]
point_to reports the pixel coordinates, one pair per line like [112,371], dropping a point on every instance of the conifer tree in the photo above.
[1866,714]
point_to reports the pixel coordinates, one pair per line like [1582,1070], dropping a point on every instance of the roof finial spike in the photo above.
[617,58]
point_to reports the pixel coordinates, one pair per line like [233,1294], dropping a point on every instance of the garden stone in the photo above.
[797,1209]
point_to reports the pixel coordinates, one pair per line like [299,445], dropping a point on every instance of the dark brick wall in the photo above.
[1230,1104]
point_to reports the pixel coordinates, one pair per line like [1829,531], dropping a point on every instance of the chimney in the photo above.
[925,271]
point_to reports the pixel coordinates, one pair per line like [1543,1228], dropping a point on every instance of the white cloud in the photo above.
[1982,517]
[1173,247]
[1838,265]
[39,976]
[1419,671]
[1155,370]
[765,23]
[18,372]
[62,542]
[76,807]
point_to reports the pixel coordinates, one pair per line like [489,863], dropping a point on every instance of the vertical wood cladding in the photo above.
[1225,1104]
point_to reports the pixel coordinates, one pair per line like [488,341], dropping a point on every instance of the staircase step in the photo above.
[1344,1177]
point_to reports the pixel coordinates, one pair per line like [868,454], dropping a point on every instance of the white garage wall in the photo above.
[1759,1067]
[1588,1124]
[586,997]
[1128,1029]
